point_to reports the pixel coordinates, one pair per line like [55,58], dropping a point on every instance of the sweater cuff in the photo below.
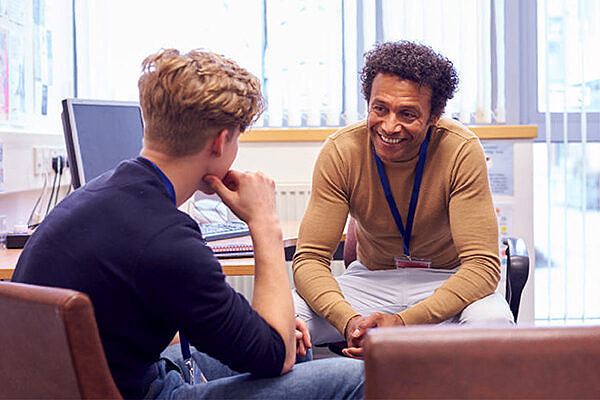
[341,316]
[416,315]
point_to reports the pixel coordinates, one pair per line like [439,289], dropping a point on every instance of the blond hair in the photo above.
[187,99]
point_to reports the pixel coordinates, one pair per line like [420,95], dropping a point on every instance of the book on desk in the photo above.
[218,237]
[232,250]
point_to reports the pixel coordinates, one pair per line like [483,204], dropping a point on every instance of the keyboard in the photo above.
[223,230]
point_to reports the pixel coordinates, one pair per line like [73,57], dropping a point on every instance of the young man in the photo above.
[121,240]
[416,184]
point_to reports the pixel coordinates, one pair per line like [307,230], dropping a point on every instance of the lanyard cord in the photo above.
[184,343]
[412,207]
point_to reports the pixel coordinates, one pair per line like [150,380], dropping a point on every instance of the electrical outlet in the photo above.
[42,158]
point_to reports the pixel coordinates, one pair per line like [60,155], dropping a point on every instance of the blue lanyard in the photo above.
[185,344]
[413,198]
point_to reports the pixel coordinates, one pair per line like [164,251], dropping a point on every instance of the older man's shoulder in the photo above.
[350,132]
[453,129]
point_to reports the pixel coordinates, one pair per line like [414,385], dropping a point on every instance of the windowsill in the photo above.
[320,134]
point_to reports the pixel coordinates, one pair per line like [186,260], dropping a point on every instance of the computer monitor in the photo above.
[99,135]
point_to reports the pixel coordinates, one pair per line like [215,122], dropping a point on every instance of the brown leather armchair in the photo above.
[468,362]
[50,346]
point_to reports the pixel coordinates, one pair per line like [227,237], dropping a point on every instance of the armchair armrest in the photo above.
[482,362]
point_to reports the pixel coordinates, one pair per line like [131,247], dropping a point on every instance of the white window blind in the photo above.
[307,53]
[567,201]
[462,31]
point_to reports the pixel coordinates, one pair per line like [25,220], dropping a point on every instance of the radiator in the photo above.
[292,199]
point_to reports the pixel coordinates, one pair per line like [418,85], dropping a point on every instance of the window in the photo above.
[565,106]
[476,48]
[568,72]
[307,53]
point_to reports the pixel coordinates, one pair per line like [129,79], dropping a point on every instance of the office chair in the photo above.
[50,345]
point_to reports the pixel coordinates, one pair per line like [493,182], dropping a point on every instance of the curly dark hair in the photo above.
[415,62]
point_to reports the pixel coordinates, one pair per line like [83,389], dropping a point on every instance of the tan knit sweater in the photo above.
[455,222]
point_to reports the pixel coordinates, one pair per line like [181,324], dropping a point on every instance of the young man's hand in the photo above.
[250,195]
[302,338]
[357,328]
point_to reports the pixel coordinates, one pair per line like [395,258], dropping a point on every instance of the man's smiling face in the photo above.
[399,117]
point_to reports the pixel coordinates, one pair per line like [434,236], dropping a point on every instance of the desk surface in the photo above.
[231,266]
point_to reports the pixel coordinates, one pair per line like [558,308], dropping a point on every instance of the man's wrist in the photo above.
[269,227]
[399,320]
[348,325]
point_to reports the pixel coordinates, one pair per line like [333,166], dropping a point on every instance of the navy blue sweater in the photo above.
[143,263]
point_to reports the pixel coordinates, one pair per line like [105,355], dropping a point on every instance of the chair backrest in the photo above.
[50,346]
[517,272]
[464,362]
[517,265]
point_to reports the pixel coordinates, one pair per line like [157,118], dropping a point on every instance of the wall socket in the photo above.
[42,158]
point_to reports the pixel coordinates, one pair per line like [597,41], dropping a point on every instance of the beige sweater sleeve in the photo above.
[320,232]
[474,229]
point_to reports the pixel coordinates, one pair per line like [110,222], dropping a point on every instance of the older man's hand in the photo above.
[357,328]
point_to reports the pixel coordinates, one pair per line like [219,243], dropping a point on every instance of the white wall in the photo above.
[21,187]
[284,162]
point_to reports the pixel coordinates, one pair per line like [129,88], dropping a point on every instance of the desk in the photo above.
[231,266]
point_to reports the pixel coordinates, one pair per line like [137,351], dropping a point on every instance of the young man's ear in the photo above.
[218,142]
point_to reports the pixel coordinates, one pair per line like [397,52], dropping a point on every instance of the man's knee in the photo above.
[320,330]
[333,377]
[301,307]
[491,310]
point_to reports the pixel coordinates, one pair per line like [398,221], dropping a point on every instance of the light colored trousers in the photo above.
[393,290]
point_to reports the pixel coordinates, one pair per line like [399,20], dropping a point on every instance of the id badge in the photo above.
[411,262]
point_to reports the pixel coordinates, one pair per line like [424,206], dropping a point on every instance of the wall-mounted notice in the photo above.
[16,75]
[500,164]
[3,74]
[1,167]
[504,213]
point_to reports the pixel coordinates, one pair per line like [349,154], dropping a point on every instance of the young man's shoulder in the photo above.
[113,217]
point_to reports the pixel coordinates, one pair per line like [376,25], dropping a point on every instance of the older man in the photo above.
[416,184]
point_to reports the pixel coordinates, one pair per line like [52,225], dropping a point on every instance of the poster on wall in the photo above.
[39,12]
[1,167]
[3,74]
[16,11]
[43,69]
[16,77]
[500,165]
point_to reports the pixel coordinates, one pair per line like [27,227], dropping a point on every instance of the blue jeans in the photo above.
[330,378]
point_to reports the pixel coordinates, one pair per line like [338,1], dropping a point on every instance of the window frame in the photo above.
[522,90]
